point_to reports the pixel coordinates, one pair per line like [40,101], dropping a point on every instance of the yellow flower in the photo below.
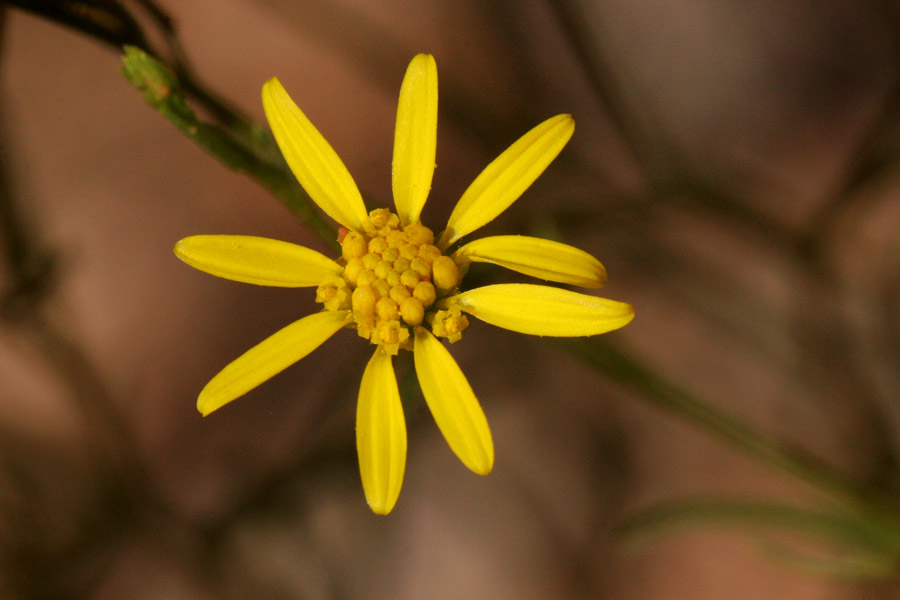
[397,286]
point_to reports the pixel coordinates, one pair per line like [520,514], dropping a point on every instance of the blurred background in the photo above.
[734,166]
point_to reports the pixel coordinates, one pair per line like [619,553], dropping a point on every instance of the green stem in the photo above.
[739,435]
[846,530]
[250,154]
[232,137]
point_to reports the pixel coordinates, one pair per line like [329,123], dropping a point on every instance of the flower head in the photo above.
[398,285]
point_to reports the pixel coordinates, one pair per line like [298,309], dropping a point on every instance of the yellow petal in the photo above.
[453,404]
[268,358]
[537,257]
[380,434]
[314,162]
[505,179]
[415,138]
[543,310]
[258,260]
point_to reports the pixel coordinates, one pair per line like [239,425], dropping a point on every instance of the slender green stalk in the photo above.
[739,435]
[849,566]
[867,549]
[251,155]
[168,85]
[846,530]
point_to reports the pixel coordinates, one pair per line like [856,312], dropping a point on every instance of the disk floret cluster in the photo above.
[393,276]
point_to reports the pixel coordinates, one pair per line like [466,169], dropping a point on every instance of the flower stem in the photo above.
[243,147]
[778,454]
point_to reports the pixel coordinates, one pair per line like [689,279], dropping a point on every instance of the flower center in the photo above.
[392,277]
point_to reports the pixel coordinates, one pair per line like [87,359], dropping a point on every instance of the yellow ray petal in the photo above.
[314,162]
[415,138]
[537,257]
[505,179]
[268,358]
[380,434]
[258,260]
[543,310]
[453,403]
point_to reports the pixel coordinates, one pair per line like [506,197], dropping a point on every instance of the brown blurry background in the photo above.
[733,166]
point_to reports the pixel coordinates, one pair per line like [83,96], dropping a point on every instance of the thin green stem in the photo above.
[251,155]
[774,453]
[169,83]
[843,529]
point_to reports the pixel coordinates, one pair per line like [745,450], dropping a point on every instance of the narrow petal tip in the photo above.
[380,508]
[628,315]
[182,248]
[272,81]
[483,468]
[203,406]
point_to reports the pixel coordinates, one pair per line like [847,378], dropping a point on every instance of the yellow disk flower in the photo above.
[398,286]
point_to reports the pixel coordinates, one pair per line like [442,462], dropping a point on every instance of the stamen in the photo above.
[449,323]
